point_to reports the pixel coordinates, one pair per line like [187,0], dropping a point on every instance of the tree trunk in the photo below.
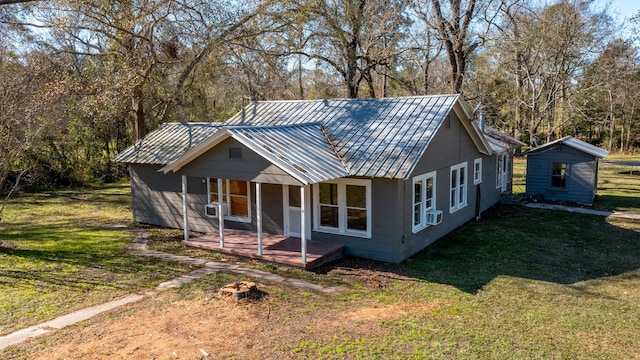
[300,86]
[138,109]
[612,122]
[352,66]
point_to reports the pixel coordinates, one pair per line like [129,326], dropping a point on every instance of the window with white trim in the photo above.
[343,206]
[458,187]
[477,171]
[424,199]
[235,196]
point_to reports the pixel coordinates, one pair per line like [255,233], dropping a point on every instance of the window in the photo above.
[424,199]
[559,175]
[477,171]
[458,198]
[343,206]
[235,196]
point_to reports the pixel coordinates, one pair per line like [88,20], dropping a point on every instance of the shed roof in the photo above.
[341,137]
[572,142]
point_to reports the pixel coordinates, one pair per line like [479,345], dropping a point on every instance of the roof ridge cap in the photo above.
[325,132]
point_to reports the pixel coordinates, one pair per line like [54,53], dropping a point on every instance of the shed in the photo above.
[564,170]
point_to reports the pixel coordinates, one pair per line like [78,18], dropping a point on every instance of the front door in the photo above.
[291,201]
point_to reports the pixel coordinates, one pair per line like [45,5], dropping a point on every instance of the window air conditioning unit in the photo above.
[211,210]
[434,217]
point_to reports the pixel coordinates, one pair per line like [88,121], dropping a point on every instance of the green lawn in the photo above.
[519,284]
[56,256]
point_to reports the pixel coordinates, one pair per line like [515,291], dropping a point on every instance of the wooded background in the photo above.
[81,80]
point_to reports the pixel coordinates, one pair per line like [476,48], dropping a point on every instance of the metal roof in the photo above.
[572,142]
[167,143]
[375,137]
[341,137]
[303,151]
[500,141]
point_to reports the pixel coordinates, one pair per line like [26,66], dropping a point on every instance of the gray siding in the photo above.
[386,232]
[582,175]
[252,167]
[452,145]
[157,200]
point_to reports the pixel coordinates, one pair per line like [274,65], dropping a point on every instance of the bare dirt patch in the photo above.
[170,325]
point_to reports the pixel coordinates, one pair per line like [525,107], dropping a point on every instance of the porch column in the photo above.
[221,212]
[303,227]
[185,218]
[259,216]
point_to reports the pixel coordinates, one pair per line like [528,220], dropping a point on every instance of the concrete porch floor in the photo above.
[275,248]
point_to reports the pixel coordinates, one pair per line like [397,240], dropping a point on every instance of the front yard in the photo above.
[519,284]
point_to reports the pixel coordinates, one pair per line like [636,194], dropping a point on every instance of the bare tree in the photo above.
[453,23]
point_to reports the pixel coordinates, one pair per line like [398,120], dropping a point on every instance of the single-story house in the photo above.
[382,177]
[564,170]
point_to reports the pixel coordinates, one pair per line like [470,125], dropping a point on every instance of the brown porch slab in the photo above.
[275,248]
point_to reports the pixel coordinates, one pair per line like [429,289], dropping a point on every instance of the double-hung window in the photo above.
[477,171]
[458,187]
[343,206]
[424,199]
[235,197]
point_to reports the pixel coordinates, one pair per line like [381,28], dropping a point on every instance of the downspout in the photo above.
[478,201]
[185,207]
[404,211]
[481,121]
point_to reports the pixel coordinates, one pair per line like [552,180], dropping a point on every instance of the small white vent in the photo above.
[434,217]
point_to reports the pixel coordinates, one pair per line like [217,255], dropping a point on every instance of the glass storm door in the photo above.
[292,203]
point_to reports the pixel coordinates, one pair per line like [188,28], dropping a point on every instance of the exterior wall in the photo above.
[157,200]
[582,179]
[452,145]
[386,232]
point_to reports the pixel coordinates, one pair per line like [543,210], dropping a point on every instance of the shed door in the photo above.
[291,210]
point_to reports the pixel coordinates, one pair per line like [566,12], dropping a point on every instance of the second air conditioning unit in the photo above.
[434,217]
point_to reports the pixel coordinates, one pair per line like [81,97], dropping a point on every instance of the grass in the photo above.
[56,256]
[508,287]
[519,284]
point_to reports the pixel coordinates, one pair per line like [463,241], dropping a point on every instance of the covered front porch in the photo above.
[280,249]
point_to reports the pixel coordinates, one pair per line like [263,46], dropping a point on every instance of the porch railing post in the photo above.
[259,216]
[221,212]
[303,227]
[185,217]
